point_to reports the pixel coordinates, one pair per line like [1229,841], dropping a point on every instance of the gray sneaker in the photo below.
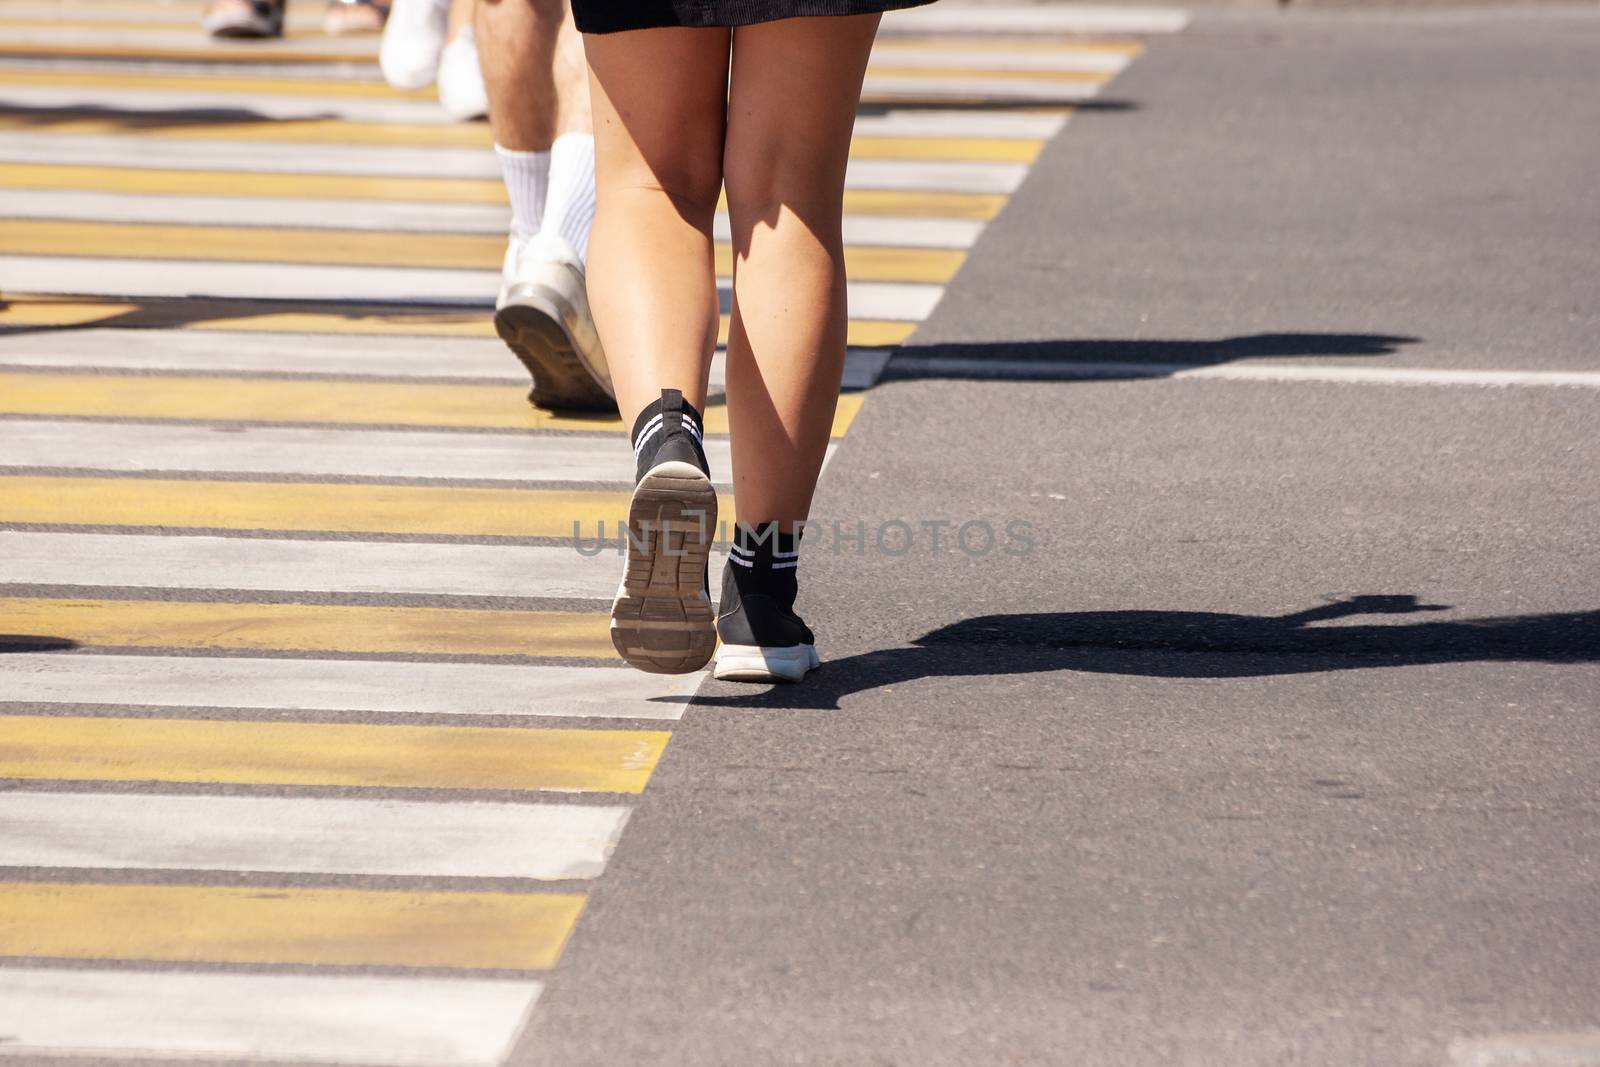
[542,314]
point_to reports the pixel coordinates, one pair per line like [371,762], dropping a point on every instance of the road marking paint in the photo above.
[361,403]
[312,685]
[204,85]
[392,217]
[307,835]
[1575,1049]
[219,151]
[308,506]
[340,755]
[982,86]
[313,453]
[330,927]
[941,56]
[933,206]
[404,1022]
[1036,19]
[280,565]
[328,628]
[313,356]
[439,251]
[900,301]
[1048,370]
[26,312]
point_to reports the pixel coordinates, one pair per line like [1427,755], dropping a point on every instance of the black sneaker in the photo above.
[662,621]
[763,640]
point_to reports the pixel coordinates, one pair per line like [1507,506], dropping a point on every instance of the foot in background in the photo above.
[413,40]
[542,312]
[461,89]
[244,19]
[353,16]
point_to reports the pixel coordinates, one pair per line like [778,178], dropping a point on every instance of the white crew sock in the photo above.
[527,177]
[569,206]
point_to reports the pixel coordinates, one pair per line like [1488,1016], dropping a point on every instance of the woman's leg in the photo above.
[794,91]
[659,102]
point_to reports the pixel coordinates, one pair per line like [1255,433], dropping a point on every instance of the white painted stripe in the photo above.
[343,685]
[308,354]
[293,281]
[1035,19]
[956,176]
[166,39]
[1260,372]
[933,87]
[422,839]
[1576,1049]
[392,216]
[323,452]
[934,123]
[311,355]
[158,14]
[148,561]
[403,1022]
[1065,59]
[253,107]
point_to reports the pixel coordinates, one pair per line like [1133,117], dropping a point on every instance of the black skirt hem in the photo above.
[617,16]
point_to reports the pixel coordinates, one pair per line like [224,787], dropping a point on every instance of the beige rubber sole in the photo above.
[662,621]
[562,378]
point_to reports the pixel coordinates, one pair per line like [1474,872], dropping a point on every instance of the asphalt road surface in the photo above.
[1279,747]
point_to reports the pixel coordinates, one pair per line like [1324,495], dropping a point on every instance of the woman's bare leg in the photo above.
[659,103]
[794,90]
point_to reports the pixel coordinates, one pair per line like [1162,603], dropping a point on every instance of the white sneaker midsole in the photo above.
[760,663]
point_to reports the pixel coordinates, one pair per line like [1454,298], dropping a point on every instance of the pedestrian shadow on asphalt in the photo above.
[35,643]
[1071,360]
[129,120]
[1194,644]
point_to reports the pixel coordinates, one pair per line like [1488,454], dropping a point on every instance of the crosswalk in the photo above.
[311,735]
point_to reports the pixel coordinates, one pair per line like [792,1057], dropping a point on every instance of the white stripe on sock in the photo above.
[786,566]
[569,204]
[527,176]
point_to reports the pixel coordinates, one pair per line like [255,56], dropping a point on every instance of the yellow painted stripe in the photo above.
[28,312]
[309,506]
[202,52]
[345,755]
[876,202]
[338,927]
[443,251]
[503,407]
[138,26]
[207,83]
[315,627]
[203,83]
[199,125]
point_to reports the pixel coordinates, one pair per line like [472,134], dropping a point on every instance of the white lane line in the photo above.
[425,839]
[1576,1049]
[146,561]
[1036,19]
[391,216]
[954,176]
[246,107]
[311,355]
[402,1022]
[935,123]
[318,453]
[1065,59]
[169,39]
[180,14]
[933,87]
[1044,370]
[903,301]
[343,685]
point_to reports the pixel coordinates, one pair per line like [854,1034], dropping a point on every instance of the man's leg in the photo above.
[533,66]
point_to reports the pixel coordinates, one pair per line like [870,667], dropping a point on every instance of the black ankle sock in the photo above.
[763,561]
[670,419]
